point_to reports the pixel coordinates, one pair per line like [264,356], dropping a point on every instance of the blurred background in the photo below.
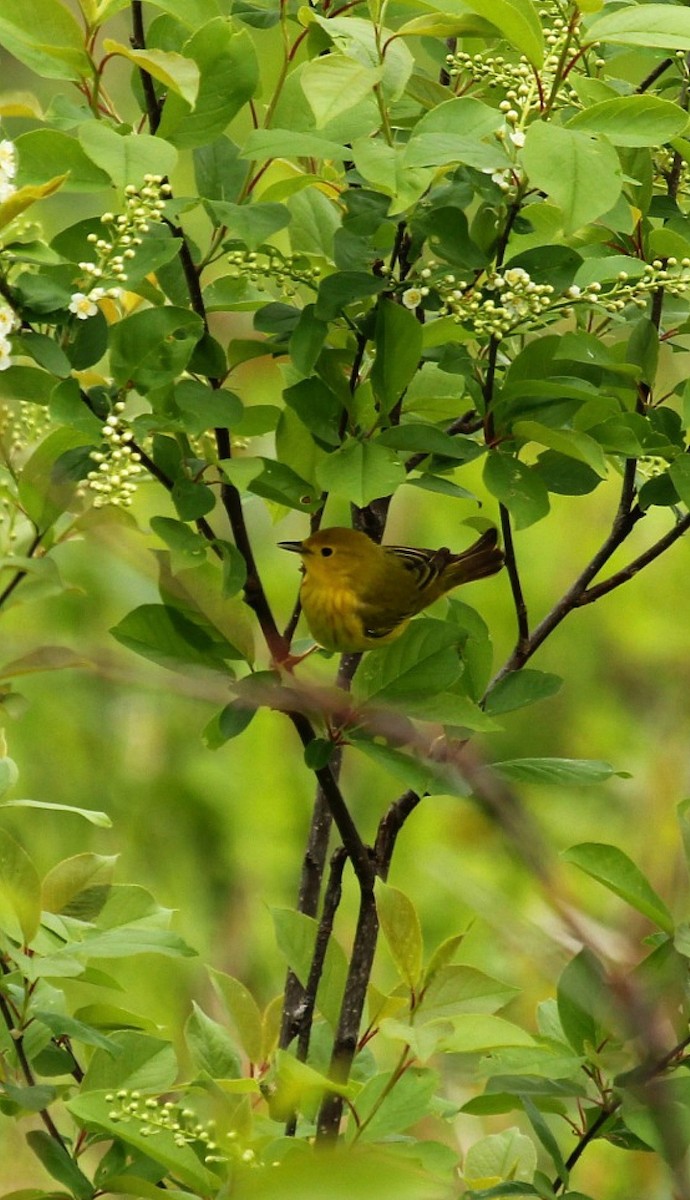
[218,835]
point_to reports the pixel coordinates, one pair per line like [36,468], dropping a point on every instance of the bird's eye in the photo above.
[327,551]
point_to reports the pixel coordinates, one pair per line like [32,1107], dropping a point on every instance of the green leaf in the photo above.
[100,819]
[334,84]
[62,1025]
[20,890]
[152,347]
[398,341]
[243,1010]
[581,174]
[229,723]
[59,1163]
[620,875]
[545,1136]
[94,1112]
[456,988]
[210,1046]
[521,688]
[273,143]
[632,120]
[569,442]
[387,1105]
[500,1156]
[219,170]
[361,472]
[46,37]
[126,158]
[191,499]
[517,486]
[228,75]
[317,407]
[47,482]
[206,408]
[72,884]
[339,290]
[402,931]
[429,439]
[163,634]
[413,772]
[318,753]
[48,153]
[306,340]
[252,224]
[582,988]
[651,25]
[296,938]
[134,1060]
[422,661]
[679,473]
[174,71]
[556,770]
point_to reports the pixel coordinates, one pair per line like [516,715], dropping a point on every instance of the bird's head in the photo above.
[334,555]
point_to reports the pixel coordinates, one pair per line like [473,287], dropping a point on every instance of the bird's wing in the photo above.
[388,601]
[424,566]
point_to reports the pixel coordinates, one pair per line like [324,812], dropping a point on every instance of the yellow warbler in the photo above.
[356,594]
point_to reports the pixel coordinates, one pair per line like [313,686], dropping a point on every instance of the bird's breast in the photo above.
[332,616]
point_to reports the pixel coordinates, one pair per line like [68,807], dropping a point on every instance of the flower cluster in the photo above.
[8,321]
[118,466]
[8,169]
[514,298]
[117,245]
[510,301]
[284,269]
[525,92]
[155,1117]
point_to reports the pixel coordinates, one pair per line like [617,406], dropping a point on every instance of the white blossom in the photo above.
[8,159]
[5,354]
[82,306]
[412,298]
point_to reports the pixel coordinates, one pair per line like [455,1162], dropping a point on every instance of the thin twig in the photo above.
[154,107]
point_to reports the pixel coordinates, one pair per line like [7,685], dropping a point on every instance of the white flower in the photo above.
[516,276]
[5,354]
[412,298]
[8,159]
[82,306]
[8,320]
[517,137]
[96,294]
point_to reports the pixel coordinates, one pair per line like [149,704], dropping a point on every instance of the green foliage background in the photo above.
[217,835]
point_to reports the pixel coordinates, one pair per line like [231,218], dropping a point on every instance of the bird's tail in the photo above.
[485,557]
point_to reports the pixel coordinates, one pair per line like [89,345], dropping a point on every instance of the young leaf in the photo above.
[517,486]
[581,174]
[210,1046]
[398,341]
[177,73]
[126,157]
[387,1105]
[520,689]
[59,1163]
[20,890]
[243,1010]
[361,472]
[500,1156]
[402,931]
[134,1060]
[583,1000]
[556,770]
[620,875]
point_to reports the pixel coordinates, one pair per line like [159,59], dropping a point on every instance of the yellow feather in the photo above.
[356,594]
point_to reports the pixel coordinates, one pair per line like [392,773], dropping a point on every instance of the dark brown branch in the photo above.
[390,825]
[514,577]
[154,107]
[654,75]
[18,1041]
[347,1033]
[626,573]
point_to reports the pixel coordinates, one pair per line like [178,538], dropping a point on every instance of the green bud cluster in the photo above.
[283,269]
[523,97]
[118,466]
[509,301]
[22,425]
[118,243]
[156,1116]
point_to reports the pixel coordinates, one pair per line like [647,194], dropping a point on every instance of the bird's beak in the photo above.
[295,547]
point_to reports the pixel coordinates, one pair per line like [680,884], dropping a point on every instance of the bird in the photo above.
[357,595]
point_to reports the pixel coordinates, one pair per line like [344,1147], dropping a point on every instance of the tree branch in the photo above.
[154,107]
